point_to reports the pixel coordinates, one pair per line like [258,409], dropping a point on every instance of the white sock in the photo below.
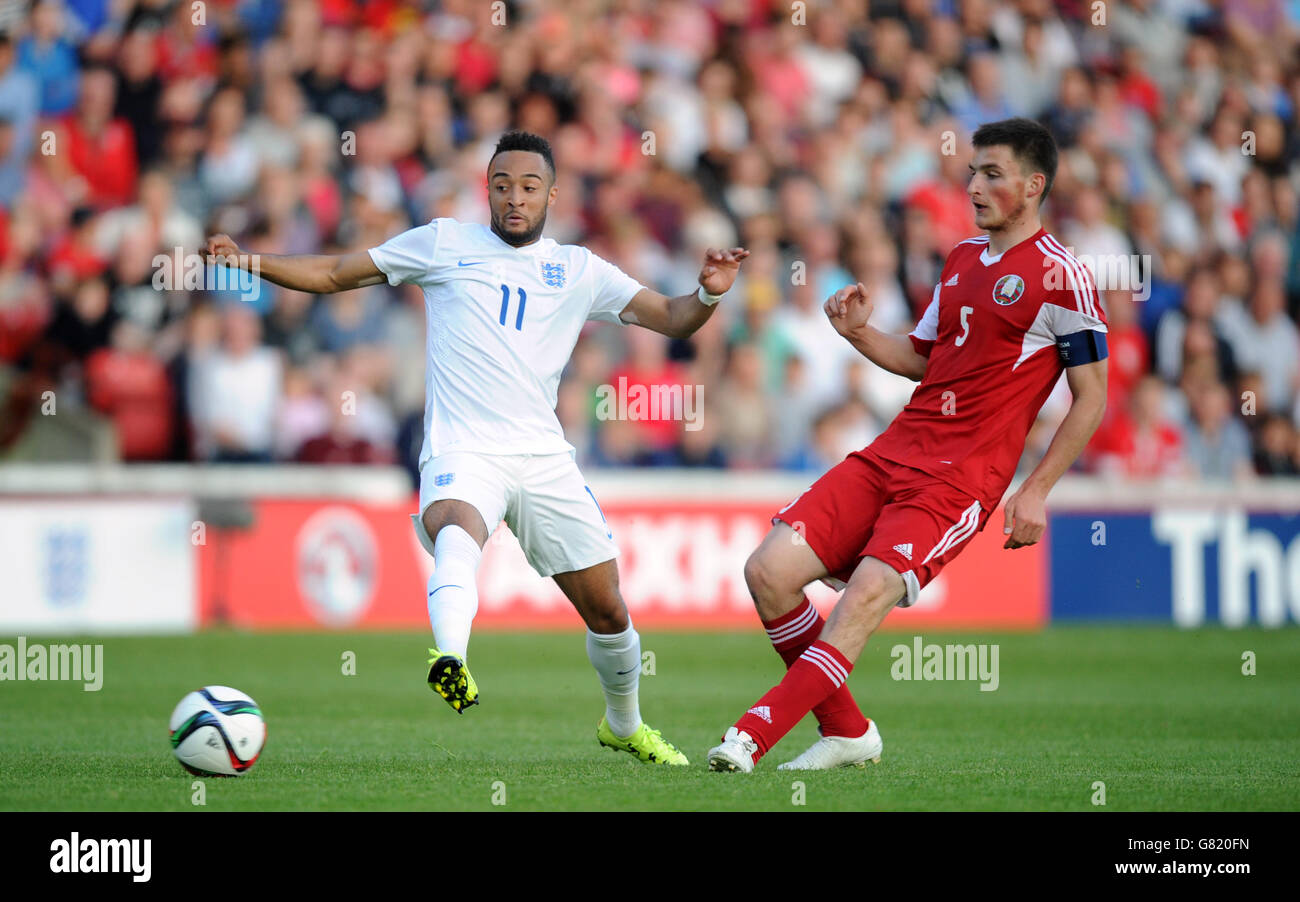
[453,589]
[610,655]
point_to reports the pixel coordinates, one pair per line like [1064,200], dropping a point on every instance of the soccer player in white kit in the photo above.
[505,307]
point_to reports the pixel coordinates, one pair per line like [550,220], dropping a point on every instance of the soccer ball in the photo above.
[217,731]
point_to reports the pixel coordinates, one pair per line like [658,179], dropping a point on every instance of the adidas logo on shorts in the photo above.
[905,550]
[444,479]
[762,711]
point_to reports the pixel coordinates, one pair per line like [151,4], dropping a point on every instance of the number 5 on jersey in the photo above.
[505,306]
[961,339]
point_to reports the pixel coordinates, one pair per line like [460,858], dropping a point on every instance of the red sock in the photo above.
[791,634]
[810,680]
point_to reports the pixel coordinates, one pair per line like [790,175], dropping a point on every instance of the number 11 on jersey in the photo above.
[505,306]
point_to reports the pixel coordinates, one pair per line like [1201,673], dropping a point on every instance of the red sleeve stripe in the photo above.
[1083,288]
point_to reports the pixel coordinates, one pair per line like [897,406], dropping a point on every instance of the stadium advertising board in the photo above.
[343,564]
[104,565]
[97,566]
[1193,565]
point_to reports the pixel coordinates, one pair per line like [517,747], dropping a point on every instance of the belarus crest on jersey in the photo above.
[1008,290]
[553,274]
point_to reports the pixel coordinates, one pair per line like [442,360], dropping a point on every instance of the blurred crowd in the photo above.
[829,138]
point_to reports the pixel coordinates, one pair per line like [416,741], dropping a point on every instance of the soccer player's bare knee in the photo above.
[451,512]
[757,577]
[605,613]
[765,586]
[874,589]
[778,569]
[608,620]
[883,584]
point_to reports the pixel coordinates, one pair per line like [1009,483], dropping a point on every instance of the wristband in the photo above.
[707,299]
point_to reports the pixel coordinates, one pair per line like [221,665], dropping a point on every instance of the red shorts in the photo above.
[867,506]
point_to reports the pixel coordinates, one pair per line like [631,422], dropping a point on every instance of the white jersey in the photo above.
[502,323]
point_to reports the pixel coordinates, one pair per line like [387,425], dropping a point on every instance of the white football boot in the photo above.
[839,751]
[735,754]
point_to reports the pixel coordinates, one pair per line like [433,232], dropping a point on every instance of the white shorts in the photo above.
[542,497]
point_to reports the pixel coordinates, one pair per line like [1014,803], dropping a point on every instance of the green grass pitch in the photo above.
[1164,718]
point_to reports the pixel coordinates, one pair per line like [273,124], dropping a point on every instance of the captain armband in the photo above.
[1078,348]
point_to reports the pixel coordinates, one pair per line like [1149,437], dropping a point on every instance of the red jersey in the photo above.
[999,332]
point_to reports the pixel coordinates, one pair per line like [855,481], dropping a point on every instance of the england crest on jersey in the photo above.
[553,274]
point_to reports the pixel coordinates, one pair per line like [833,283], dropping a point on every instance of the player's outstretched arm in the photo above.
[848,310]
[1025,513]
[679,317]
[314,273]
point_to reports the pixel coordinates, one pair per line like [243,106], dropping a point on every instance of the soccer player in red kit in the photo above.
[1011,310]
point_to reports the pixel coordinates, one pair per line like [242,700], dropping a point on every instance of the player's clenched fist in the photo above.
[849,308]
[720,268]
[222,245]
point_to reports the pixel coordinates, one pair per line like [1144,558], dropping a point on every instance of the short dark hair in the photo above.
[1030,142]
[520,140]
